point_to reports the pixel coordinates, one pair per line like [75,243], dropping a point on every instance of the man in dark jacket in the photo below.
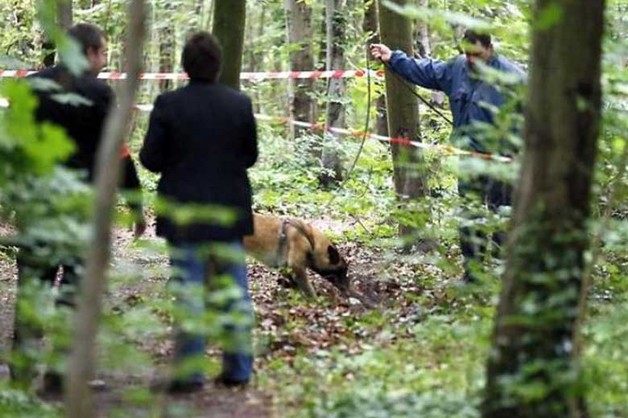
[202,139]
[474,104]
[82,116]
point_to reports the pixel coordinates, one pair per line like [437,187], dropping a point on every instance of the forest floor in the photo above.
[420,352]
[287,326]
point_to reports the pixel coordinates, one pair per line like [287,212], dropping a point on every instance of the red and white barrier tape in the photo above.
[253,76]
[444,149]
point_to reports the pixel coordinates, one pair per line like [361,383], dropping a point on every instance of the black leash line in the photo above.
[367,122]
[407,86]
[365,133]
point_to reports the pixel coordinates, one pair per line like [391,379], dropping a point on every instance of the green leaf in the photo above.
[547,17]
[427,14]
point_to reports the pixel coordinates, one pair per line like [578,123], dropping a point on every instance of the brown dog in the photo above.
[293,246]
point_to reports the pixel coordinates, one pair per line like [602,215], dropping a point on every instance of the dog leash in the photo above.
[365,132]
[413,91]
[283,237]
[283,240]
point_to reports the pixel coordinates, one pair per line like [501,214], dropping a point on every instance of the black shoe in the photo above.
[177,387]
[468,278]
[51,386]
[52,383]
[224,381]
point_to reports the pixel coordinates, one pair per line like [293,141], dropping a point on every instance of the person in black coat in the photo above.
[83,118]
[202,138]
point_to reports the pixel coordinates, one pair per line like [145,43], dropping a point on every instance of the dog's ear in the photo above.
[334,256]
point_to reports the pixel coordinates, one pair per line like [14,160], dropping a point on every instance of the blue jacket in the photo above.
[471,99]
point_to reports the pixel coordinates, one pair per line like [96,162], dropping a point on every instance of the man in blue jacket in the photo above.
[475,104]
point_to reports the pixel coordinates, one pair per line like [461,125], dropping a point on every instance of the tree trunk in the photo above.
[532,370]
[82,362]
[370,27]
[422,45]
[64,22]
[425,50]
[228,26]
[299,32]
[403,113]
[166,46]
[64,14]
[256,55]
[335,113]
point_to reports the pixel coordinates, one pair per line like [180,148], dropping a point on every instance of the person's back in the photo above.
[474,100]
[215,144]
[79,104]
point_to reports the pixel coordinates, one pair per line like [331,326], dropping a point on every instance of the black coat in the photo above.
[202,138]
[83,118]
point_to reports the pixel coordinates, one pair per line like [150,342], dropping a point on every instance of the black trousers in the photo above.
[34,268]
[473,241]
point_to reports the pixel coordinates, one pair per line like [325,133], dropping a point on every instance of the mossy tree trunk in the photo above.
[228,26]
[533,369]
[403,114]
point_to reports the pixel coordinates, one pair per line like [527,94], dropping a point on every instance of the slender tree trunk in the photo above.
[370,27]
[299,32]
[64,14]
[533,341]
[166,46]
[256,55]
[425,48]
[403,113]
[79,402]
[210,15]
[335,114]
[424,33]
[64,21]
[228,26]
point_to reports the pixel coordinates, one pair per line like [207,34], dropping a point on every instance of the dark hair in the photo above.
[202,57]
[472,37]
[87,35]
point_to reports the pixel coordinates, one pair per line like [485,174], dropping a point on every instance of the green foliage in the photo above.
[398,404]
[423,351]
[17,404]
[25,145]
[439,17]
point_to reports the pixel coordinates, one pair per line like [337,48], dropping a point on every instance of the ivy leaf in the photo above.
[549,16]
[427,14]
[7,61]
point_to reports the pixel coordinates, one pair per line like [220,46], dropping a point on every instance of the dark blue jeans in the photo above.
[197,269]
[473,242]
